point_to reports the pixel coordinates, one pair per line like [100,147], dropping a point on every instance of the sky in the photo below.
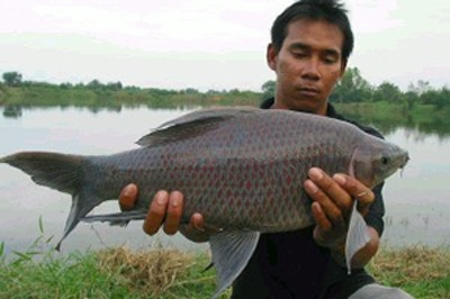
[208,44]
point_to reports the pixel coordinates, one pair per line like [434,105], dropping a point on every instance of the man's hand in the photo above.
[333,199]
[165,210]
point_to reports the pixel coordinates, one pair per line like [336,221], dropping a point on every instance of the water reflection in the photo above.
[419,126]
[12,111]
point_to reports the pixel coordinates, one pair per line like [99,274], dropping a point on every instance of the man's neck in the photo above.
[279,105]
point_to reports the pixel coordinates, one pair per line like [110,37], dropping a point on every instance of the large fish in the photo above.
[242,168]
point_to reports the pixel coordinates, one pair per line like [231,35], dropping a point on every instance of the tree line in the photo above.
[352,88]
[16,91]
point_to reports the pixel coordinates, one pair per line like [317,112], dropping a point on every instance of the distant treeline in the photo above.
[15,91]
[352,88]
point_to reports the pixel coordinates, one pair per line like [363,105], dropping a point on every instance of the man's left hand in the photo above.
[333,199]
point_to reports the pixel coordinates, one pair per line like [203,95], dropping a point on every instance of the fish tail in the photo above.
[63,173]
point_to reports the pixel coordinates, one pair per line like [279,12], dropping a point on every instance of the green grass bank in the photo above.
[164,273]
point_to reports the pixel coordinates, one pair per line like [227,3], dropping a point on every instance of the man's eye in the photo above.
[299,55]
[329,60]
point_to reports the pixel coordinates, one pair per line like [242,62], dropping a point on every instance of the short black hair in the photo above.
[329,10]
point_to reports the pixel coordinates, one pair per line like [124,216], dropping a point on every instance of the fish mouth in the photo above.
[403,163]
[402,159]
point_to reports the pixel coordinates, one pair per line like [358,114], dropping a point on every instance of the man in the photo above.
[311,43]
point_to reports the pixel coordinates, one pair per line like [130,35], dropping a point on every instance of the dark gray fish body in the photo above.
[242,169]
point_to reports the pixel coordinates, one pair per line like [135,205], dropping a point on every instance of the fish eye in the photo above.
[385,160]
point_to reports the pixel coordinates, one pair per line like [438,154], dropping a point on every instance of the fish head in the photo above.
[375,160]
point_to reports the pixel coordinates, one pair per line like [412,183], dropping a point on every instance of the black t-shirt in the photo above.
[292,265]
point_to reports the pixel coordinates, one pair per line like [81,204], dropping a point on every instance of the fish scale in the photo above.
[242,168]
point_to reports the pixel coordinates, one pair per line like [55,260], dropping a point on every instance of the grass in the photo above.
[164,273]
[423,272]
[109,273]
[160,273]
[40,272]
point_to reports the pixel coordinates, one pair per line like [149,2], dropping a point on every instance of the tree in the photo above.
[189,91]
[387,91]
[12,78]
[420,88]
[423,86]
[66,85]
[114,86]
[268,89]
[411,99]
[95,84]
[439,99]
[352,87]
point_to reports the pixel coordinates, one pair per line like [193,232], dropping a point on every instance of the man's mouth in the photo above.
[309,92]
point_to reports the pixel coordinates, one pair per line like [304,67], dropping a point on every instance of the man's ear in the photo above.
[272,56]
[343,67]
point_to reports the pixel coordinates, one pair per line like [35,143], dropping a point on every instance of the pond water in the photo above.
[417,203]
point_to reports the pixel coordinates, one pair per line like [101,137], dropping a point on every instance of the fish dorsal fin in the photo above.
[191,125]
[231,251]
[357,236]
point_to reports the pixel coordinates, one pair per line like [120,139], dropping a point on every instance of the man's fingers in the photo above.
[357,190]
[174,211]
[157,212]
[128,197]
[365,199]
[196,222]
[333,190]
[327,206]
[320,217]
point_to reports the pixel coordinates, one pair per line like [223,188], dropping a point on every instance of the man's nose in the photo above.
[311,70]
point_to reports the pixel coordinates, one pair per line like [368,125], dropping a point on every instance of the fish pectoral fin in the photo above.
[231,251]
[357,236]
[121,218]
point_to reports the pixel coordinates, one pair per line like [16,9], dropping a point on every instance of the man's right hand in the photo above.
[165,210]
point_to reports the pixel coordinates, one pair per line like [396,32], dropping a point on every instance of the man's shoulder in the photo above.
[331,112]
[368,129]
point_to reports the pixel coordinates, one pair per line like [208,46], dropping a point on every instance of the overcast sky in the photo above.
[208,44]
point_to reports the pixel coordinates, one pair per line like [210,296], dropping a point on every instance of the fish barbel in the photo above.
[242,168]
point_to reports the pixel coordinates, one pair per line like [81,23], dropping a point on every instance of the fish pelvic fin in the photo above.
[231,251]
[357,236]
[81,206]
[120,219]
[61,172]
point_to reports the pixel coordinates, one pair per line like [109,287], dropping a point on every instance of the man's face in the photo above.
[308,65]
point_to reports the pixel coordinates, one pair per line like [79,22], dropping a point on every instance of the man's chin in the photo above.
[315,105]
[306,107]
